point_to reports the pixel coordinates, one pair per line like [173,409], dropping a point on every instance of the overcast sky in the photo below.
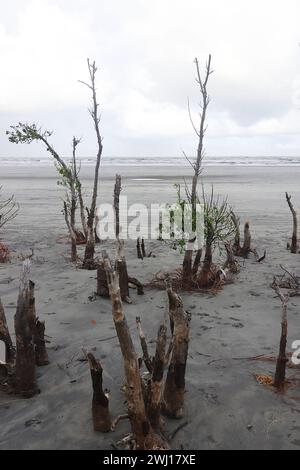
[145,50]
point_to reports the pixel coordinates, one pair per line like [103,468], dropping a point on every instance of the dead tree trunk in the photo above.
[155,395]
[117,191]
[25,359]
[142,430]
[102,286]
[41,355]
[279,379]
[197,261]
[143,249]
[294,245]
[230,263]
[175,383]
[138,249]
[88,262]
[197,166]
[237,237]
[100,403]
[121,268]
[205,278]
[37,330]
[247,240]
[5,337]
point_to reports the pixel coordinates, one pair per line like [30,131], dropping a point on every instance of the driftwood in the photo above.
[282,359]
[175,383]
[100,402]
[294,245]
[143,433]
[25,360]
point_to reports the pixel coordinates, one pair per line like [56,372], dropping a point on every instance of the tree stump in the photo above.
[25,358]
[10,351]
[175,383]
[100,402]
[142,430]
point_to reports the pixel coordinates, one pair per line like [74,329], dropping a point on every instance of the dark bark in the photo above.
[175,383]
[247,241]
[117,191]
[121,268]
[279,379]
[25,358]
[156,383]
[102,285]
[137,284]
[138,249]
[294,246]
[205,277]
[100,403]
[143,249]
[41,354]
[197,261]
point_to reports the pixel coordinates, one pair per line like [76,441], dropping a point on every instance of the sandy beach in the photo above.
[225,406]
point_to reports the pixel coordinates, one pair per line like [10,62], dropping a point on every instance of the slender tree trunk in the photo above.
[72,234]
[175,383]
[294,245]
[197,261]
[282,359]
[117,191]
[141,428]
[88,262]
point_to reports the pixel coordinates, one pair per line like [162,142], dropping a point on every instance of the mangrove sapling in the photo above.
[294,245]
[218,228]
[69,176]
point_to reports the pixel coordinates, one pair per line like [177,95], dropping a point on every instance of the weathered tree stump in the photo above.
[25,358]
[175,383]
[247,240]
[294,245]
[102,286]
[121,268]
[142,430]
[10,351]
[155,395]
[100,402]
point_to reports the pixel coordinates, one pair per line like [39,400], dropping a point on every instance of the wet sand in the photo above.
[225,406]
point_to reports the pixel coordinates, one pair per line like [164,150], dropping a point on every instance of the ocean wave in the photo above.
[158,161]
